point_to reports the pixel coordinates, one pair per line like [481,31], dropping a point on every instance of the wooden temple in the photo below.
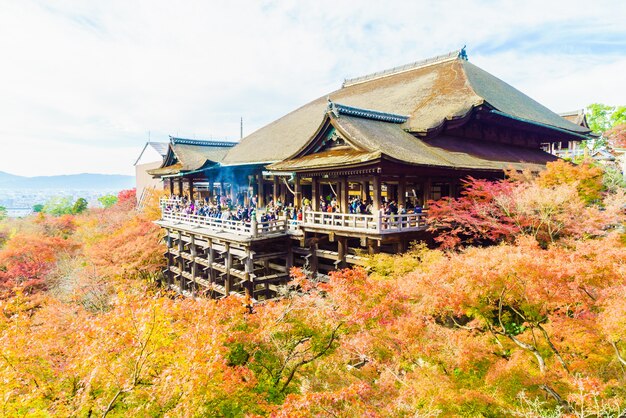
[394,139]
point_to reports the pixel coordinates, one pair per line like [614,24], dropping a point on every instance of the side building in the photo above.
[356,169]
[150,157]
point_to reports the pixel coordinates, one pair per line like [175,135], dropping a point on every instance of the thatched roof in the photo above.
[428,92]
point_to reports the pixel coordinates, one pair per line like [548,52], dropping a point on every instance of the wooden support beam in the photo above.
[372,246]
[275,191]
[342,251]
[181,262]
[428,185]
[313,262]
[376,193]
[315,194]
[344,195]
[289,257]
[260,190]
[297,198]
[168,241]
[402,192]
[191,191]
[194,267]
[229,260]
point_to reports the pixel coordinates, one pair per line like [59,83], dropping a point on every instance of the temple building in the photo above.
[350,172]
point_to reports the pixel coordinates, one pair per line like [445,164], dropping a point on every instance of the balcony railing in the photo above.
[346,222]
[381,224]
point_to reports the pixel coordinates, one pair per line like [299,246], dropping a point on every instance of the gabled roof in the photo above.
[185,155]
[159,147]
[428,92]
[368,139]
[577,116]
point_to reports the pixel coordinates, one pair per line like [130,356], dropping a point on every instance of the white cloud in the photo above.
[82,82]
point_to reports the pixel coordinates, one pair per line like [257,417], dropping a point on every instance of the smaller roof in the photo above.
[578,117]
[187,155]
[159,147]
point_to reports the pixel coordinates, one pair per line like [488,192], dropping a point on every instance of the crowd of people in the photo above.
[224,208]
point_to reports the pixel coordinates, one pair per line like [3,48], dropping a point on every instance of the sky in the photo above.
[84,84]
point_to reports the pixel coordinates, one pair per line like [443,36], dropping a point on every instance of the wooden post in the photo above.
[401,200]
[376,193]
[260,191]
[275,192]
[297,198]
[211,260]
[342,250]
[428,184]
[315,198]
[372,246]
[181,263]
[229,260]
[345,195]
[211,189]
[313,263]
[180,186]
[283,192]
[249,268]
[194,266]
[168,240]
[289,260]
[171,181]
[191,189]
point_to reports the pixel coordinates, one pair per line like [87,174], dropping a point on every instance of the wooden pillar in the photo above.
[168,241]
[342,251]
[260,190]
[275,192]
[315,194]
[297,198]
[289,258]
[283,192]
[344,195]
[181,263]
[428,184]
[171,181]
[249,268]
[401,198]
[194,266]
[211,258]
[180,186]
[372,246]
[229,260]
[376,193]
[313,263]
[191,189]
[211,191]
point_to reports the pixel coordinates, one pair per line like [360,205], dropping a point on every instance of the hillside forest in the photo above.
[517,310]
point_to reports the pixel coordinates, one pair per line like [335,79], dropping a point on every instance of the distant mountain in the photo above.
[6,176]
[71,181]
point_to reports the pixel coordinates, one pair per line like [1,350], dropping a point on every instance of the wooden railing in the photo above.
[378,224]
[252,228]
[365,223]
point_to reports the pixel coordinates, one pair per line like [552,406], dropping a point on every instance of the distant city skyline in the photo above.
[85,84]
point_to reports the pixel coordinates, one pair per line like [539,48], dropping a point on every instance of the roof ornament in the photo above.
[463,53]
[332,107]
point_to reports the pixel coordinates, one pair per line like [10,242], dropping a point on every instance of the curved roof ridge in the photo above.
[456,54]
[202,142]
[340,109]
